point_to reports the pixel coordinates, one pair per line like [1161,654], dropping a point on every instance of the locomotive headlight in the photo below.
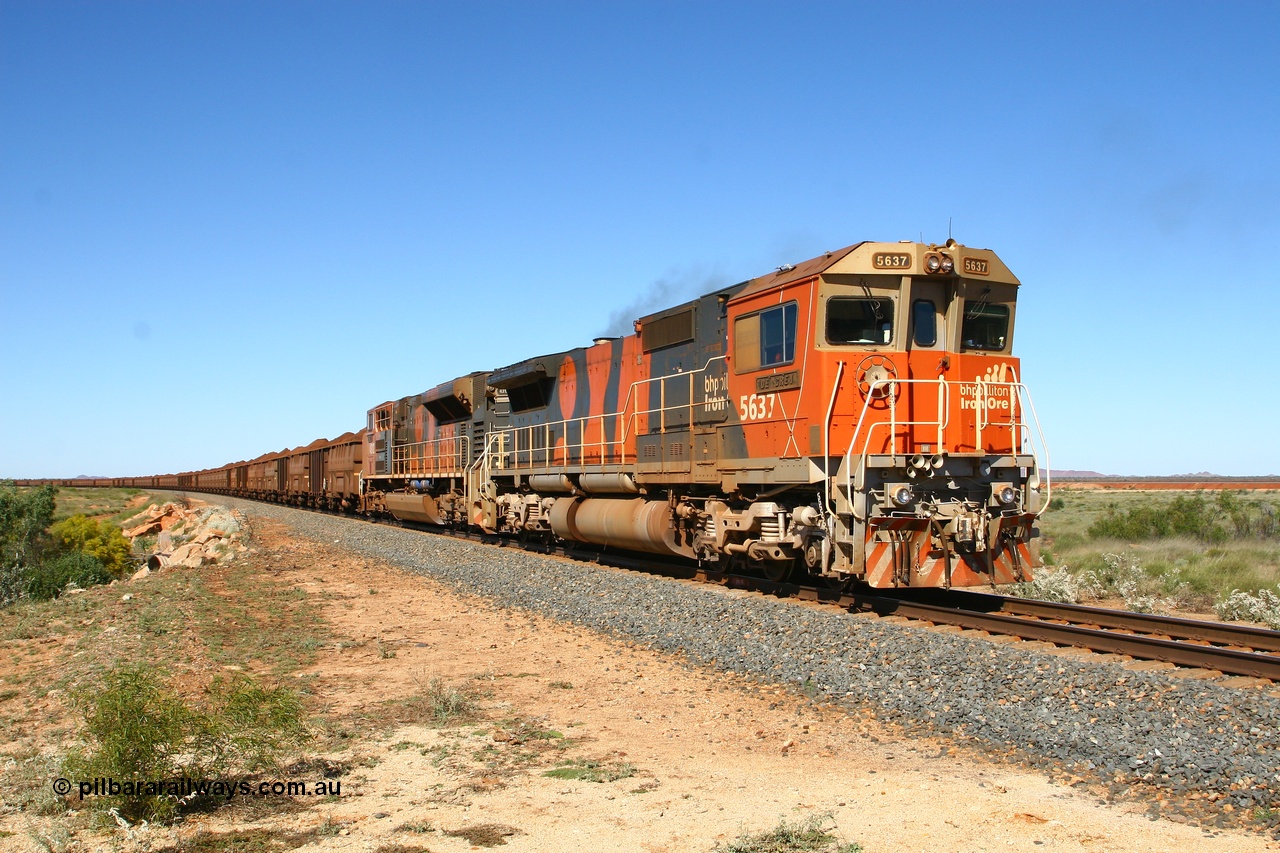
[937,262]
[1004,493]
[901,494]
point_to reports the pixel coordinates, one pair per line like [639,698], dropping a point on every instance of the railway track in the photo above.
[1212,646]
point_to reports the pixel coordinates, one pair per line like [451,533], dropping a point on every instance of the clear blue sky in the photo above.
[227,228]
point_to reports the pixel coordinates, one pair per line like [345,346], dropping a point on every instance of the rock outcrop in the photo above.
[189,537]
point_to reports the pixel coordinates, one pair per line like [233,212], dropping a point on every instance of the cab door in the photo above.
[927,361]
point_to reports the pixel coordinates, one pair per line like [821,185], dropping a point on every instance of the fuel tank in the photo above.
[634,524]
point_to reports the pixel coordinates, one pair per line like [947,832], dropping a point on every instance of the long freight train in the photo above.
[858,416]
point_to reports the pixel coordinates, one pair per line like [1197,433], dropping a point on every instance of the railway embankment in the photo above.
[1183,745]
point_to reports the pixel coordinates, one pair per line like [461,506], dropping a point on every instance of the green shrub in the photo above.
[1255,519]
[254,725]
[52,577]
[98,539]
[1227,516]
[24,521]
[137,728]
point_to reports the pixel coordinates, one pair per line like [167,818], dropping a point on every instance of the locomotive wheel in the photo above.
[734,565]
[778,571]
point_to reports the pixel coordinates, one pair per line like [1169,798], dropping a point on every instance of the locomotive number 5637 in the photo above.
[755,407]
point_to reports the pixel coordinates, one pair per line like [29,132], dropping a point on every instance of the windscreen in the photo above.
[985,326]
[859,320]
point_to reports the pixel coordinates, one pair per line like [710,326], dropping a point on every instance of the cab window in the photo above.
[924,323]
[765,339]
[985,326]
[857,320]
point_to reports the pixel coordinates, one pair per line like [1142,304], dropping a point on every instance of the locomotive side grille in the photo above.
[667,331]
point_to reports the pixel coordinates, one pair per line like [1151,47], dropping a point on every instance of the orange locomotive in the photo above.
[858,416]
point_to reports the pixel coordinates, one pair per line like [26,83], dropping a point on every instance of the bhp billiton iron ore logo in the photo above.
[995,373]
[993,395]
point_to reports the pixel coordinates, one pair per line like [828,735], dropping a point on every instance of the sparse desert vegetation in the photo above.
[1159,551]
[814,833]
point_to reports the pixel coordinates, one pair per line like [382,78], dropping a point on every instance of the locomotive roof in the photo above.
[865,262]
[788,273]
[858,258]
[523,372]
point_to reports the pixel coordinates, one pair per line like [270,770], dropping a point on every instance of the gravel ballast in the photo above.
[1192,738]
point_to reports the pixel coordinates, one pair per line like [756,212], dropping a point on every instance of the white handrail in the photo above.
[624,419]
[944,411]
[413,459]
[826,439]
[1046,469]
[1018,395]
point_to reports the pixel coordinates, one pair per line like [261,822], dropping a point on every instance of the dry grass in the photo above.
[113,504]
[1200,572]
[246,841]
[435,703]
[814,833]
[485,834]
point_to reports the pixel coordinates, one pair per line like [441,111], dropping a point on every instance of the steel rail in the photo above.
[1172,627]
[1118,640]
[1233,661]
[1182,653]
